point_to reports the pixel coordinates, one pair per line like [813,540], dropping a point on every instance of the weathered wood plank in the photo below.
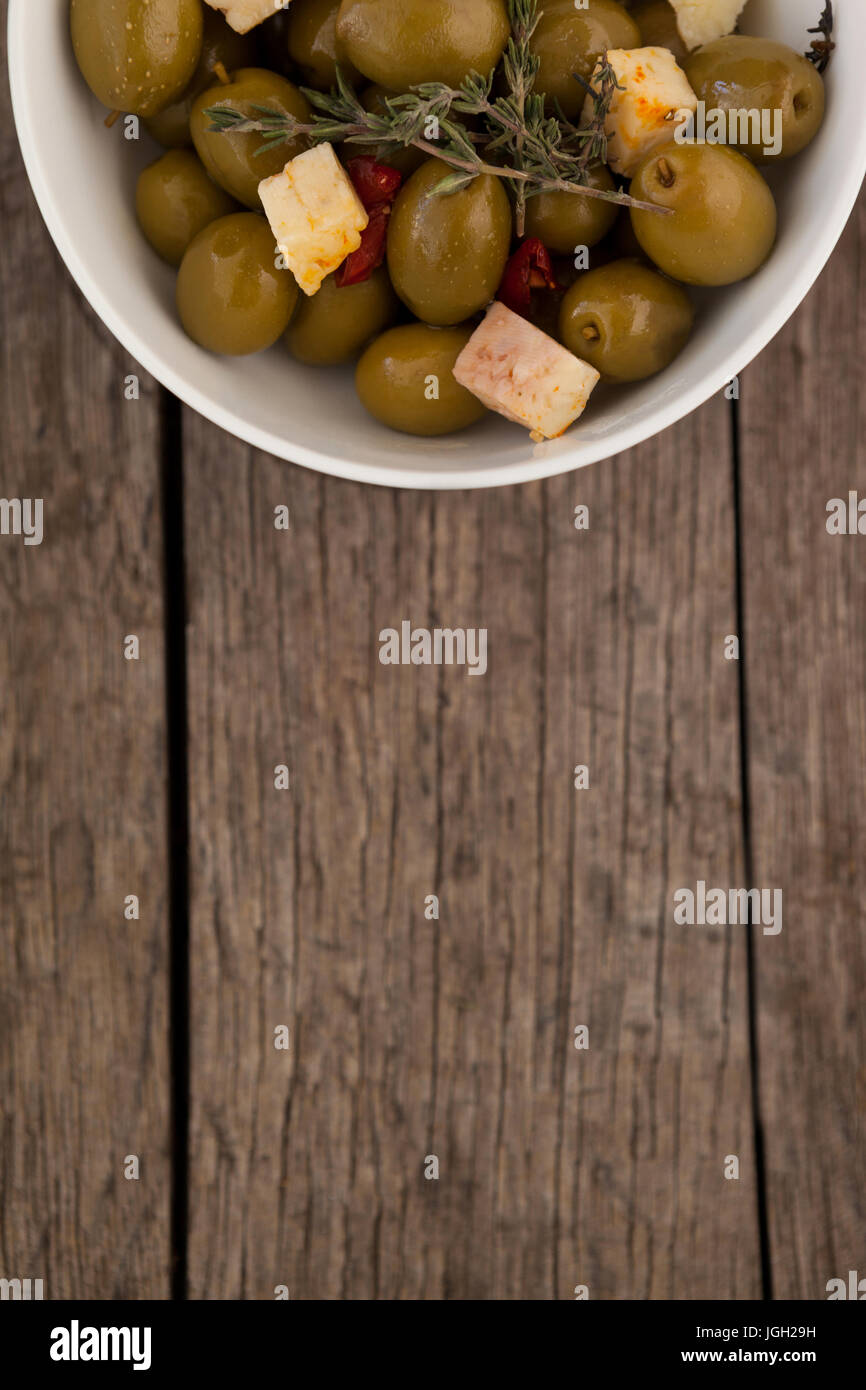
[803,430]
[83,1041]
[454,1038]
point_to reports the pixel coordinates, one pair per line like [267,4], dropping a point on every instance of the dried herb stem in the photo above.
[821,50]
[468,164]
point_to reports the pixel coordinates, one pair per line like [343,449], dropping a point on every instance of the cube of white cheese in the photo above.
[244,15]
[518,371]
[315,214]
[645,114]
[703,21]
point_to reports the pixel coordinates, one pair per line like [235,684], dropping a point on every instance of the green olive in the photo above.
[175,200]
[406,380]
[626,320]
[400,43]
[447,251]
[658,26]
[723,222]
[744,74]
[231,159]
[565,221]
[569,40]
[334,325]
[220,45]
[404,158]
[231,297]
[136,57]
[313,44]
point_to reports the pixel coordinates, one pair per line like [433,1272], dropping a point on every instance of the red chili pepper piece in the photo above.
[529,269]
[376,185]
[359,266]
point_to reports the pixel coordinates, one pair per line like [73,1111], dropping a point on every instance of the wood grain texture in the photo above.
[413,1038]
[83,1000]
[803,430]
[454,1038]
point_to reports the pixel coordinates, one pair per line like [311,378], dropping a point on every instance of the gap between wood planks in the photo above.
[177,820]
[175,610]
[748,864]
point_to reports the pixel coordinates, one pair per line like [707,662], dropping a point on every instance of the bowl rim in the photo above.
[533,469]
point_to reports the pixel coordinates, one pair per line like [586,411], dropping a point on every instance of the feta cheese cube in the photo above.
[645,114]
[315,214]
[244,15]
[702,21]
[518,371]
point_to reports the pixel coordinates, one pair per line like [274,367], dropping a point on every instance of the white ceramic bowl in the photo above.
[84,180]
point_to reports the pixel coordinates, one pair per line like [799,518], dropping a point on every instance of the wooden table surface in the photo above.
[304,908]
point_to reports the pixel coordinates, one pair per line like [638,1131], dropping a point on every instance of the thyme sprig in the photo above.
[534,152]
[821,50]
[520,69]
[591,140]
